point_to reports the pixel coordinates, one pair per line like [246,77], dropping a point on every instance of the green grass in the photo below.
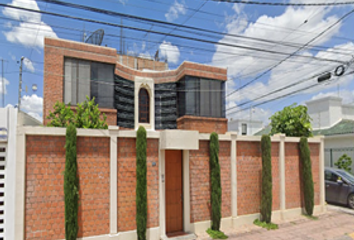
[216,234]
[310,217]
[268,226]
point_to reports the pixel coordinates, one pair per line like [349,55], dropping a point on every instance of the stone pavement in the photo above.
[336,224]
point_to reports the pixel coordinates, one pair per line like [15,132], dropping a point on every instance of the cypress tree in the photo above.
[215,182]
[307,181]
[71,185]
[266,201]
[141,184]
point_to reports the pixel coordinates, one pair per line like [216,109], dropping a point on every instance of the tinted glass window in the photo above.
[144,106]
[102,76]
[201,97]
[84,78]
[330,176]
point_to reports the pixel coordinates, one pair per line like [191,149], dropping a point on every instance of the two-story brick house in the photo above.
[133,91]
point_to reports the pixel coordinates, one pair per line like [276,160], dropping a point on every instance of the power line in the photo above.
[175,25]
[162,33]
[286,4]
[285,95]
[298,50]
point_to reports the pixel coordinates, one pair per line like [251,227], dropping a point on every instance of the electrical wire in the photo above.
[162,33]
[287,4]
[285,59]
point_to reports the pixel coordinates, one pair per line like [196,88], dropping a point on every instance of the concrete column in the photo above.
[321,175]
[233,175]
[186,193]
[162,193]
[282,173]
[113,132]
[20,185]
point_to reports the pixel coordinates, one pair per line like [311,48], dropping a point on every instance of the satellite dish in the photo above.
[96,37]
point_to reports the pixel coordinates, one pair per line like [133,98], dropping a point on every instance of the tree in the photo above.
[62,116]
[141,184]
[266,201]
[293,120]
[87,115]
[308,188]
[215,182]
[344,162]
[71,185]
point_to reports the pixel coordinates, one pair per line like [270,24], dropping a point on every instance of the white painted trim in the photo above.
[54,131]
[162,193]
[10,175]
[200,227]
[179,140]
[222,137]
[148,84]
[226,223]
[282,190]
[186,193]
[20,185]
[234,175]
[151,234]
[113,181]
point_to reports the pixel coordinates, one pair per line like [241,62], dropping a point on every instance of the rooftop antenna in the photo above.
[83,34]
[96,37]
[121,36]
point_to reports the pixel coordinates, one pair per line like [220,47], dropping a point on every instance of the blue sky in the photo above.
[287,29]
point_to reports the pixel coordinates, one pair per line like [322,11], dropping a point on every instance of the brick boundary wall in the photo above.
[202,124]
[44,191]
[44,202]
[127,183]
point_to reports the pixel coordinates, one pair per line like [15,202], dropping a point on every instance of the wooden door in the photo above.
[174,187]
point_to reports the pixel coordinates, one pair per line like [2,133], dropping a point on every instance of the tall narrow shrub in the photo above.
[307,180]
[215,181]
[71,185]
[141,185]
[266,201]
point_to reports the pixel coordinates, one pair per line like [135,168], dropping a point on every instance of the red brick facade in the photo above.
[199,172]
[127,183]
[45,165]
[203,124]
[55,50]
[249,177]
[292,176]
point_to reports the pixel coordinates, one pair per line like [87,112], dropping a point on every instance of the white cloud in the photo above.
[25,33]
[259,114]
[9,106]
[13,57]
[175,10]
[123,1]
[250,63]
[6,82]
[28,64]
[167,50]
[33,105]
[346,95]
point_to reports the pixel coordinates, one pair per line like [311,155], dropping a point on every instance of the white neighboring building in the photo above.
[244,126]
[9,120]
[335,121]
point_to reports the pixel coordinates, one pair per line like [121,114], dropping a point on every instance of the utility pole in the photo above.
[3,83]
[20,86]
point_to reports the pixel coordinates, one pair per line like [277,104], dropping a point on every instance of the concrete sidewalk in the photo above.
[336,224]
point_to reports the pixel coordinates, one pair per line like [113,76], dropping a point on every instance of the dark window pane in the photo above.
[192,96]
[76,80]
[102,84]
[144,106]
